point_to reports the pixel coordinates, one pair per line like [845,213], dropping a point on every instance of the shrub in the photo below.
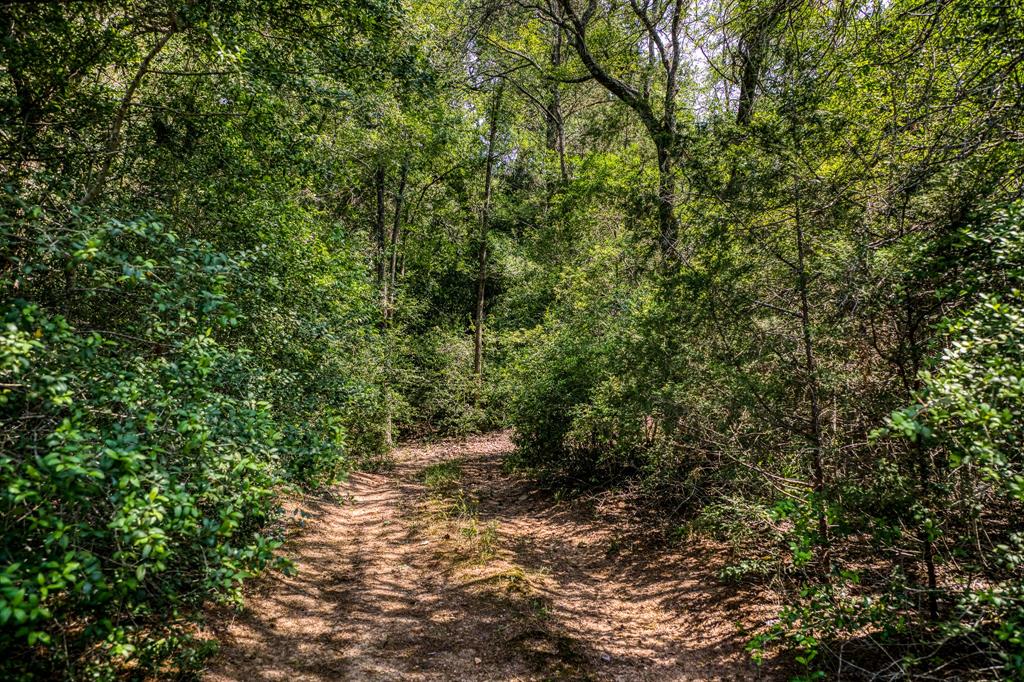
[139,467]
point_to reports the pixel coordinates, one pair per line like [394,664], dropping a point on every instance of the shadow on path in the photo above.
[382,592]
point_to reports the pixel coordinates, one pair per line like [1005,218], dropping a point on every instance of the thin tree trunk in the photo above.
[927,546]
[909,375]
[485,216]
[389,424]
[668,226]
[750,55]
[380,233]
[811,370]
[666,142]
[396,232]
[380,236]
[924,464]
[114,138]
[753,45]
[556,124]
[651,65]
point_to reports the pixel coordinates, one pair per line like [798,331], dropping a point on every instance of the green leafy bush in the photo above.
[140,466]
[440,392]
[604,391]
[971,410]
[968,421]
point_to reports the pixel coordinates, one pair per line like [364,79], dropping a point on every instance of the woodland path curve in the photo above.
[504,583]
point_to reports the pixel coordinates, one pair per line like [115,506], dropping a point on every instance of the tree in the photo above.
[485,217]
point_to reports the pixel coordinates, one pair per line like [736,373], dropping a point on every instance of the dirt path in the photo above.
[447,568]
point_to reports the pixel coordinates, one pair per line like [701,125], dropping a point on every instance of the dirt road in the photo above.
[449,568]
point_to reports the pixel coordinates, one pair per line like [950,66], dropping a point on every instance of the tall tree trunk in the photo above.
[485,216]
[380,236]
[813,391]
[555,122]
[668,224]
[924,463]
[750,55]
[380,231]
[396,233]
[927,545]
[648,80]
[753,46]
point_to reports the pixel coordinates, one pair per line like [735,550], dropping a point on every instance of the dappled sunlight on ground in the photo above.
[389,588]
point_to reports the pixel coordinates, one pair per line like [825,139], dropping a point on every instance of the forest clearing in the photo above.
[511,340]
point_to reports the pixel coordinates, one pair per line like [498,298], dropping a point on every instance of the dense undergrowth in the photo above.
[187,337]
[945,468]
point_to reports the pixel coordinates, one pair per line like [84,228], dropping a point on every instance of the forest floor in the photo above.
[448,567]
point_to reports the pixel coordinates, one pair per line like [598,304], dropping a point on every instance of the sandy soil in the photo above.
[396,585]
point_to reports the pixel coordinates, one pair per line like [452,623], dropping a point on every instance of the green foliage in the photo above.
[971,408]
[139,465]
[164,381]
[825,276]
[434,376]
[240,250]
[569,403]
[967,417]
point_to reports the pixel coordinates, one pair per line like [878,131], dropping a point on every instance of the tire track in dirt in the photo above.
[391,587]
